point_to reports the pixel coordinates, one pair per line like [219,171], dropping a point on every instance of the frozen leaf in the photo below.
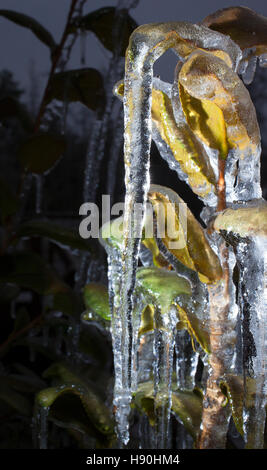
[247,220]
[185,147]
[186,405]
[217,105]
[95,409]
[30,23]
[96,300]
[162,286]
[244,26]
[83,85]
[39,153]
[101,23]
[194,251]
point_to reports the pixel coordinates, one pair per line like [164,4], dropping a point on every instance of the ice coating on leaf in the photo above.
[162,286]
[211,92]
[246,220]
[245,27]
[176,142]
[194,250]
[182,143]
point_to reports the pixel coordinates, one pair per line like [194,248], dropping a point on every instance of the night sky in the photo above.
[21,52]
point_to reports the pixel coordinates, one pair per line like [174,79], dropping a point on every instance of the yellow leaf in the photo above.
[185,239]
[217,105]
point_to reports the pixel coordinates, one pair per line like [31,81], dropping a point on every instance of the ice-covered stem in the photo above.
[223,311]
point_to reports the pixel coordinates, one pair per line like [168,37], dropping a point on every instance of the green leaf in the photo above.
[39,153]
[162,287]
[187,406]
[83,85]
[101,22]
[62,235]
[96,300]
[30,23]
[245,220]
[28,270]
[95,409]
[8,201]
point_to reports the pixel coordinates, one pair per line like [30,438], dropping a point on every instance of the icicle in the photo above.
[252,260]
[263,60]
[249,72]
[114,157]
[186,361]
[248,184]
[89,166]
[40,422]
[164,331]
[145,357]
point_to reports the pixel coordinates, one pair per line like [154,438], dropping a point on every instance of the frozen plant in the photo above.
[205,126]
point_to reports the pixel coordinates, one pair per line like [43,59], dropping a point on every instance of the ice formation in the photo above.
[208,112]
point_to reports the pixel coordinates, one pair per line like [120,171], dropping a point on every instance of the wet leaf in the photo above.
[186,405]
[161,286]
[28,270]
[247,220]
[244,26]
[96,300]
[217,105]
[8,202]
[82,85]
[101,22]
[39,153]
[147,320]
[30,23]
[95,409]
[193,249]
[61,235]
